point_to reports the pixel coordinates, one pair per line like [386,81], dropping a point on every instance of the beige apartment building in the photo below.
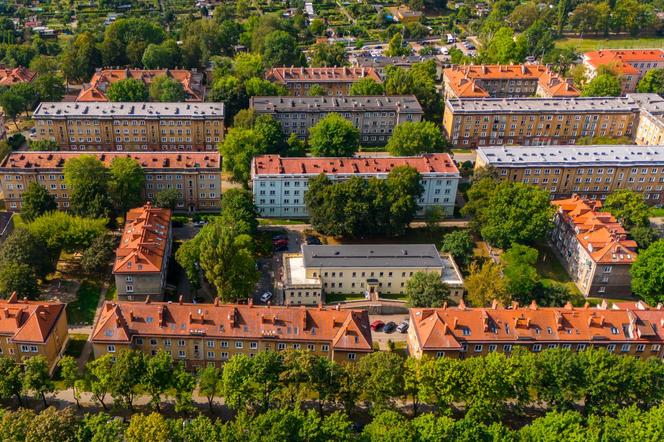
[371,270]
[589,171]
[210,334]
[196,175]
[106,126]
[650,130]
[333,80]
[374,116]
[537,121]
[631,64]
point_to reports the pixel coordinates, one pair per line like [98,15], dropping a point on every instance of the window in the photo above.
[210,355]
[210,344]
[492,347]
[614,330]
[611,347]
[224,355]
[581,347]
[182,354]
[181,342]
[239,344]
[139,341]
[25,349]
[110,348]
[351,356]
[478,348]
[153,342]
[281,346]
[253,345]
[507,348]
[440,354]
[325,347]
[537,347]
[640,347]
[167,342]
[224,344]
[625,347]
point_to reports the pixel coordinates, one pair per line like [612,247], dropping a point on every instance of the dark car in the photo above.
[389,327]
[280,248]
[377,324]
[280,236]
[280,242]
[312,240]
[403,327]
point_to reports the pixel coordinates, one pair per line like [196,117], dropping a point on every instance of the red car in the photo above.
[280,242]
[377,324]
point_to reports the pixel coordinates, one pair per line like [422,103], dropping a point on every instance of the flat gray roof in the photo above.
[372,255]
[48,110]
[571,156]
[392,103]
[543,105]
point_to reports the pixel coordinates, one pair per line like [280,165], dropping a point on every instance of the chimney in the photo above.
[304,320]
[131,316]
[250,302]
[161,316]
[216,302]
[13,298]
[180,299]
[533,305]
[147,299]
[494,304]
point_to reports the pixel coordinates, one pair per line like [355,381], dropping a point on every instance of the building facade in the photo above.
[374,116]
[593,247]
[650,130]
[12,76]
[197,176]
[631,64]
[279,183]
[538,121]
[380,63]
[505,81]
[463,332]
[370,270]
[333,80]
[191,81]
[141,260]
[589,171]
[105,126]
[33,328]
[211,334]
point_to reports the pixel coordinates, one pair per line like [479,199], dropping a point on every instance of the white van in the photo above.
[450,39]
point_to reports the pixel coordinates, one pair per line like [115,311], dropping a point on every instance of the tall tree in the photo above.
[99,379]
[426,289]
[11,379]
[648,273]
[167,90]
[36,377]
[127,179]
[324,54]
[87,179]
[280,49]
[628,207]
[167,199]
[366,86]
[162,56]
[19,278]
[209,383]
[459,244]
[237,205]
[485,283]
[333,136]
[519,271]
[603,85]
[652,81]
[157,378]
[130,89]
[69,372]
[126,374]
[49,87]
[153,427]
[414,138]
[80,58]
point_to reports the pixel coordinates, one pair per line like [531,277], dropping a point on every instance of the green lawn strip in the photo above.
[75,344]
[280,222]
[82,311]
[589,44]
[338,297]
[394,296]
[657,212]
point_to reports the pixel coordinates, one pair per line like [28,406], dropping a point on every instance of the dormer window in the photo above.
[466,331]
[614,330]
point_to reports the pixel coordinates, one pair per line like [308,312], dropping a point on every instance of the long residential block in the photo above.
[589,171]
[461,332]
[650,130]
[374,116]
[333,80]
[105,126]
[279,183]
[210,334]
[196,175]
[631,64]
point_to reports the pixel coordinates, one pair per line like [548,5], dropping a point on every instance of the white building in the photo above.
[279,183]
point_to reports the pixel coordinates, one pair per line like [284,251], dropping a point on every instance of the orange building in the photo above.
[632,64]
[505,81]
[210,334]
[334,80]
[32,328]
[11,76]
[191,81]
[462,332]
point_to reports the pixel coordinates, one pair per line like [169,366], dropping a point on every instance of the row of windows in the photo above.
[477,348]
[211,344]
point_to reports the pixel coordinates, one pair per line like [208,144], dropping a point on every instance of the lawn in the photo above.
[551,271]
[657,212]
[338,297]
[590,44]
[75,345]
[279,222]
[393,296]
[419,235]
[82,311]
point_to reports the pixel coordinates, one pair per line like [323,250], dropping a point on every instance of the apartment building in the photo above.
[211,334]
[632,64]
[589,171]
[374,116]
[537,121]
[506,81]
[197,175]
[191,81]
[12,76]
[650,130]
[463,332]
[372,270]
[105,126]
[141,260]
[334,80]
[403,14]
[593,247]
[279,183]
[33,328]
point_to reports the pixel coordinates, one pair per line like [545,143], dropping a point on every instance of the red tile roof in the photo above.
[598,232]
[277,165]
[148,160]
[28,321]
[623,58]
[285,75]
[192,82]
[10,76]
[144,240]
[121,321]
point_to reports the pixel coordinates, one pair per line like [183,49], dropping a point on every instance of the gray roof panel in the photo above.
[372,255]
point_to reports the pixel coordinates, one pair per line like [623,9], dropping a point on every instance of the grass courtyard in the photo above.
[82,311]
[593,44]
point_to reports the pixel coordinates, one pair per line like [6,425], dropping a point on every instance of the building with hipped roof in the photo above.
[141,260]
[210,334]
[593,247]
[462,332]
[12,76]
[33,328]
[334,80]
[631,64]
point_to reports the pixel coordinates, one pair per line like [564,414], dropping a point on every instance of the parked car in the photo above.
[280,242]
[403,327]
[389,327]
[281,248]
[312,240]
[280,236]
[377,324]
[265,297]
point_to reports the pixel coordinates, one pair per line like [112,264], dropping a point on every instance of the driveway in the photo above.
[382,337]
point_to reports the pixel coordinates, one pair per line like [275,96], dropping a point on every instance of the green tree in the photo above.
[69,372]
[19,278]
[257,87]
[43,145]
[126,374]
[228,89]
[404,189]
[87,179]
[247,65]
[324,55]
[485,283]
[126,39]
[643,235]
[519,271]
[502,48]
[80,58]
[316,90]
[209,383]
[652,81]
[628,207]
[36,377]
[184,384]
[52,424]
[419,80]
[99,379]
[366,86]
[238,206]
[426,289]
[188,256]
[236,388]
[397,48]
[36,201]
[460,245]
[238,148]
[161,56]
[280,49]
[559,378]
[648,273]
[167,199]
[167,90]
[49,87]
[27,94]
[12,104]
[24,247]
[100,427]
[157,378]
[414,138]
[381,375]
[127,179]
[63,231]
[130,89]
[97,257]
[333,136]
[153,427]
[11,379]
[603,85]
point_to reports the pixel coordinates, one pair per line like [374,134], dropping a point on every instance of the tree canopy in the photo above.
[426,289]
[333,136]
[130,89]
[648,273]
[414,138]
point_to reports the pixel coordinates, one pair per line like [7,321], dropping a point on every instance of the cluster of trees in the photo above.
[359,207]
[162,88]
[24,97]
[419,80]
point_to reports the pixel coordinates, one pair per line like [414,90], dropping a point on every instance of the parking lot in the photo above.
[381,337]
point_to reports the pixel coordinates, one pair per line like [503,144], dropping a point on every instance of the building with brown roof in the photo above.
[204,334]
[11,76]
[404,14]
[463,332]
[32,328]
[141,260]
[196,175]
[334,80]
[279,183]
[191,81]
[632,64]
[593,247]
[505,81]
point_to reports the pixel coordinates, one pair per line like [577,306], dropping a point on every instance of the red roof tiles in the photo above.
[285,75]
[28,321]
[144,241]
[9,76]
[623,58]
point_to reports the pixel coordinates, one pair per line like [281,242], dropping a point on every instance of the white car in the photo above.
[265,297]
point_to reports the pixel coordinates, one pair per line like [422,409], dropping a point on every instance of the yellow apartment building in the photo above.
[334,80]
